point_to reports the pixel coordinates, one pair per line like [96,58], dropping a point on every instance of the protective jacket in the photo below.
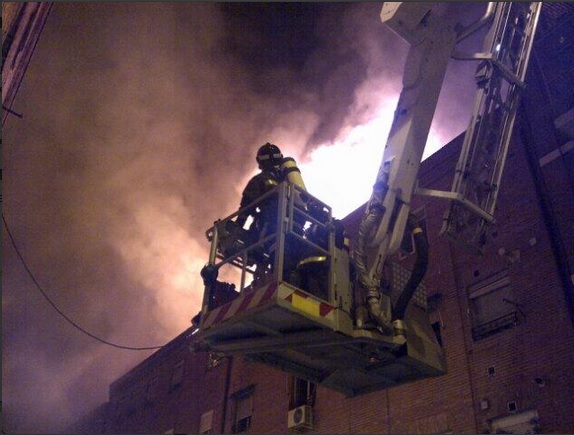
[265,214]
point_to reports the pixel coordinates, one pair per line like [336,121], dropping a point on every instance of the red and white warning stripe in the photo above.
[242,303]
[298,299]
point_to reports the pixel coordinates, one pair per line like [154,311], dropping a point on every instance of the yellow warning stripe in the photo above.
[306,305]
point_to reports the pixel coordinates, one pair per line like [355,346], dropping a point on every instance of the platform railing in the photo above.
[304,227]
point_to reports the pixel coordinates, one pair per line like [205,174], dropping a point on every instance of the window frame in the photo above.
[177,375]
[241,419]
[488,318]
[206,419]
[301,392]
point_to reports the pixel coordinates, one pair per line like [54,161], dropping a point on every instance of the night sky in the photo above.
[141,121]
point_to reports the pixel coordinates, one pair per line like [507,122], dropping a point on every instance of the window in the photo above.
[151,390]
[436,327]
[206,422]
[176,376]
[242,403]
[492,305]
[524,422]
[301,392]
[436,423]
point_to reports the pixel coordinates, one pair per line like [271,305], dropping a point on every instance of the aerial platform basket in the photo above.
[297,312]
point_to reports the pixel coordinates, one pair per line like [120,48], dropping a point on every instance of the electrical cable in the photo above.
[74,324]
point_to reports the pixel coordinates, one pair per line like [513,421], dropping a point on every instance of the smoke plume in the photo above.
[140,125]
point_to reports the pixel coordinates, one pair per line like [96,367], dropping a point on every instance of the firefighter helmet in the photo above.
[269,155]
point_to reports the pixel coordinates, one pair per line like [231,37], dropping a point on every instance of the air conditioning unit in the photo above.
[300,417]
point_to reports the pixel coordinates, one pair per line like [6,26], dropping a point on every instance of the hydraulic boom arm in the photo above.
[381,230]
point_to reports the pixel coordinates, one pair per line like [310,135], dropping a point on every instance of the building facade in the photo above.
[22,25]
[504,318]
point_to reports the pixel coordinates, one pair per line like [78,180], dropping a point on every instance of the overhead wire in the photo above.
[55,307]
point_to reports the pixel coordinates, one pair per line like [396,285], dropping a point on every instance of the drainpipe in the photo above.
[226,393]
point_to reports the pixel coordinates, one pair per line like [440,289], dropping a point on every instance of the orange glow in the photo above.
[161,255]
[342,173]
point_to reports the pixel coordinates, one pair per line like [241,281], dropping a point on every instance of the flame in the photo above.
[342,173]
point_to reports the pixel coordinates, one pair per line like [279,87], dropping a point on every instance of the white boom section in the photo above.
[432,40]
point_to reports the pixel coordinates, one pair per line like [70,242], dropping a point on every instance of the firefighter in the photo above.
[269,158]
